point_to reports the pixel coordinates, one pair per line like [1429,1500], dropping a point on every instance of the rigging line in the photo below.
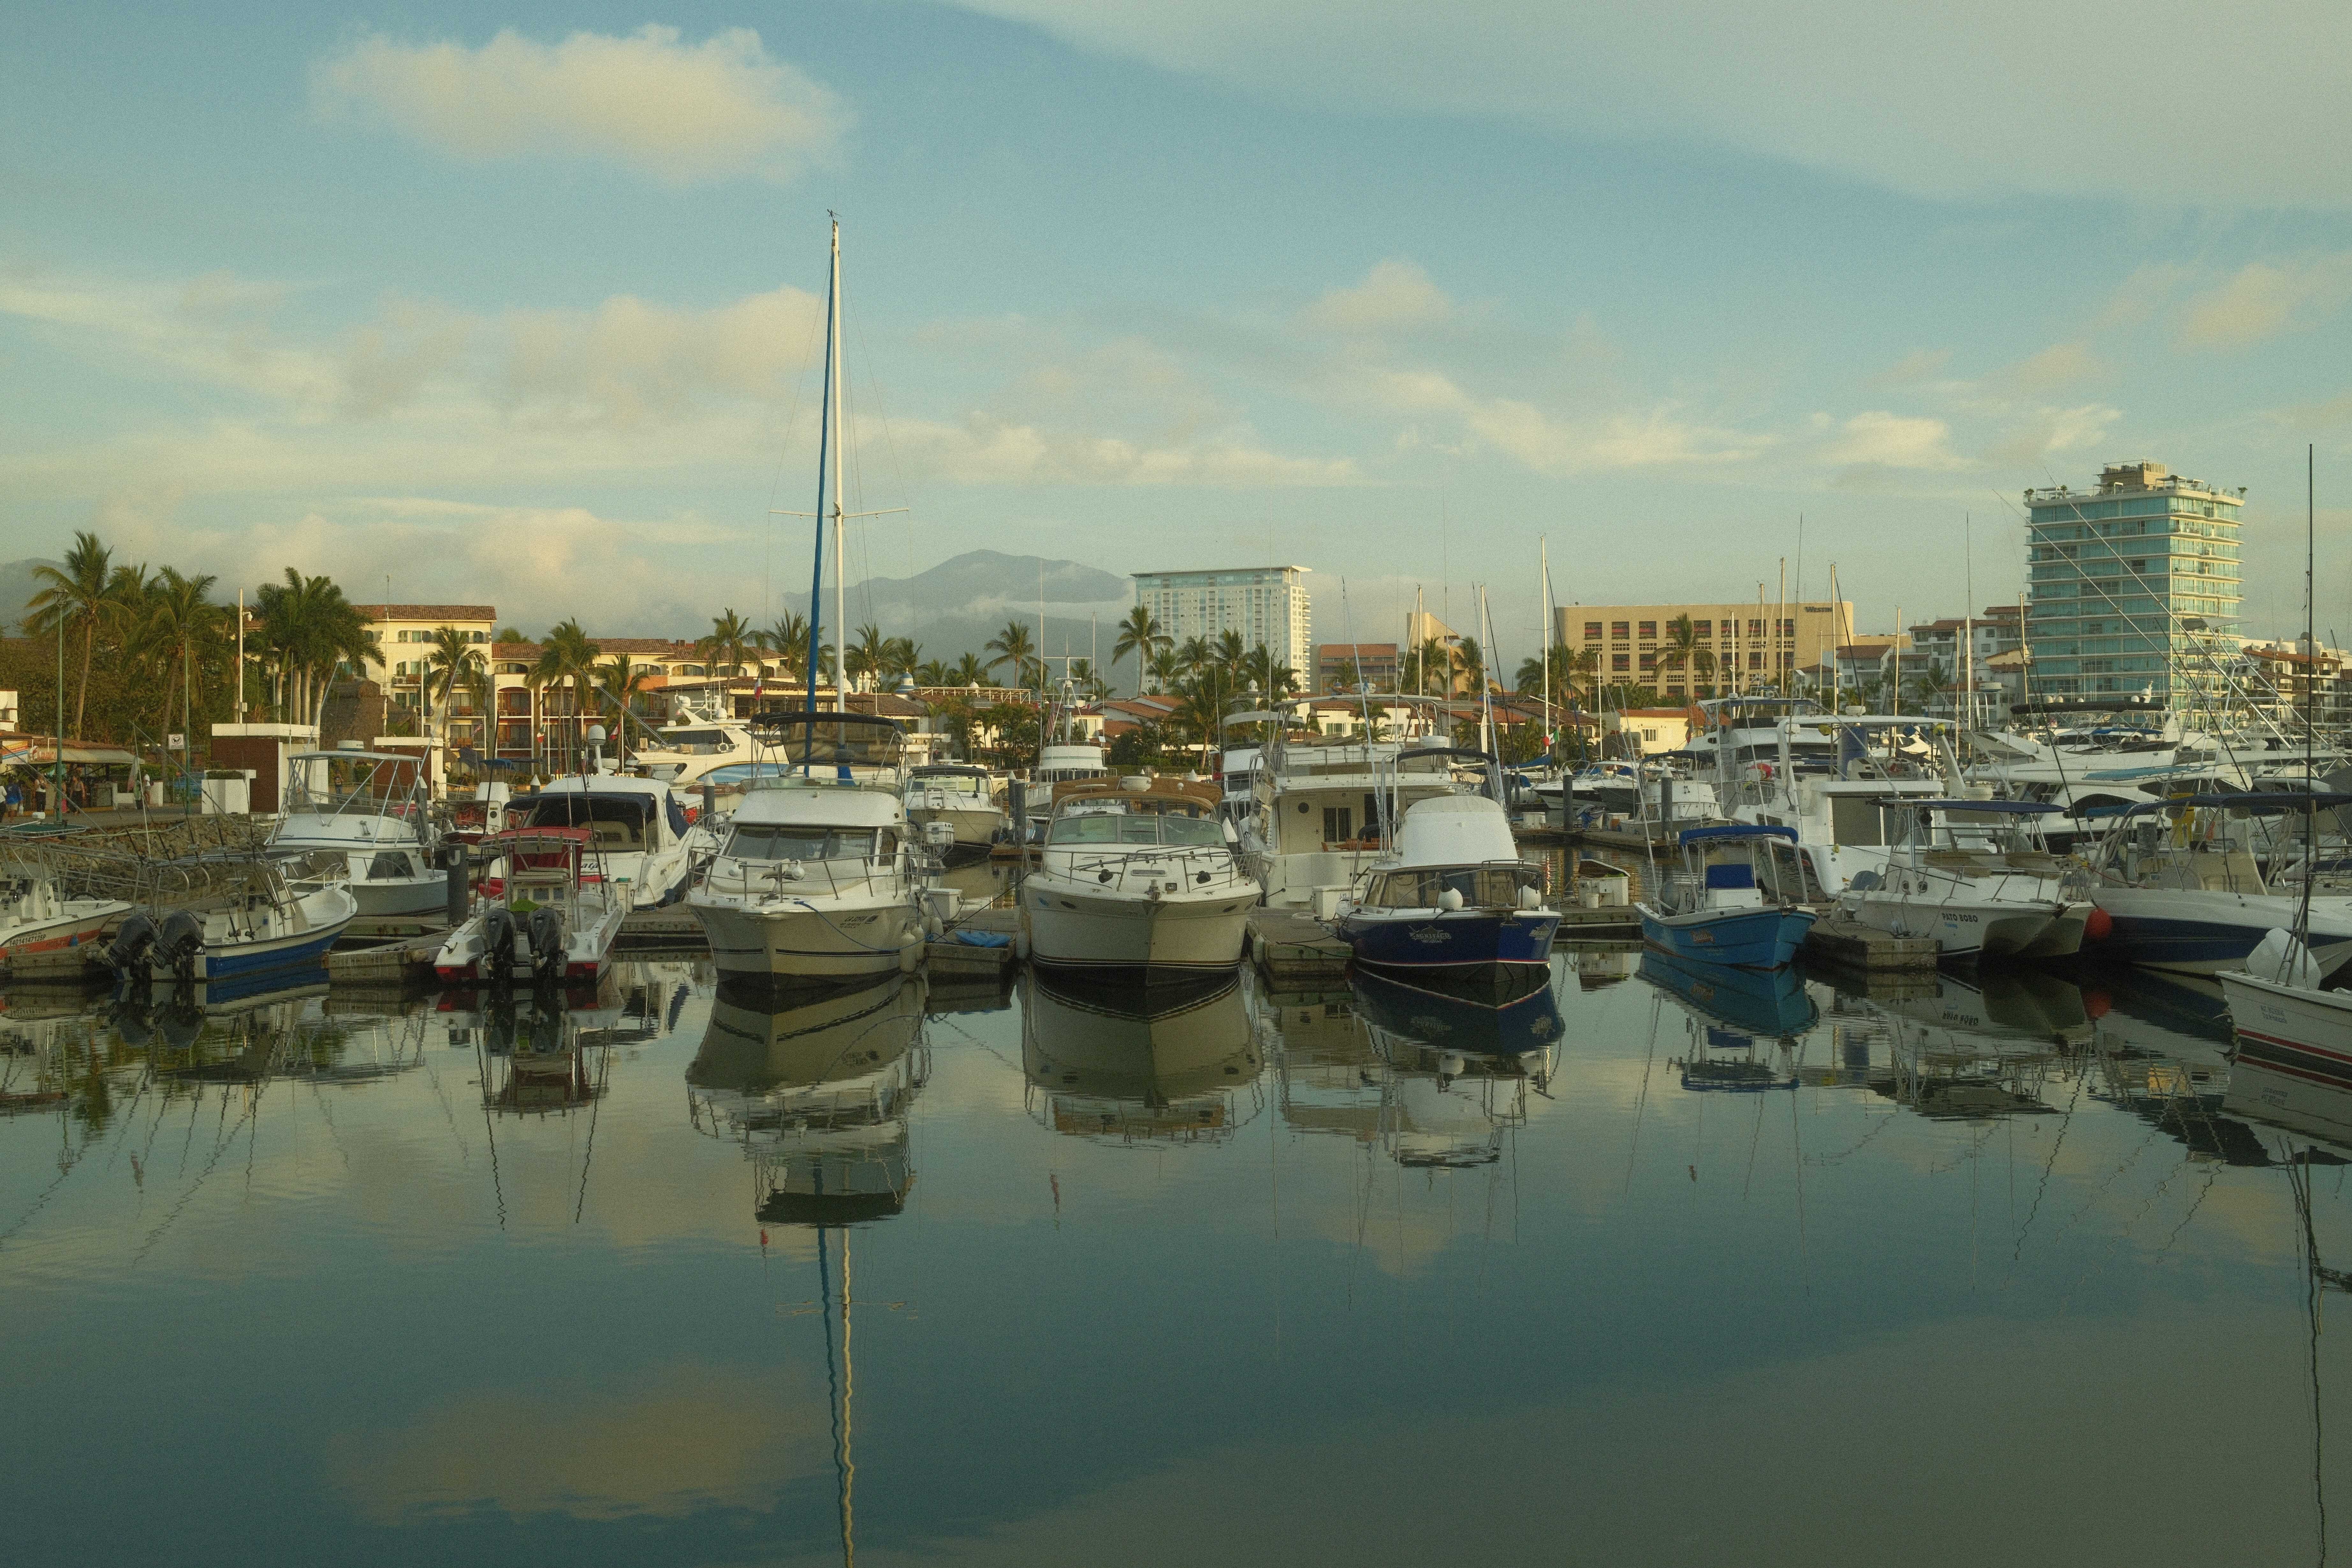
[2055,1145]
[497,1187]
[783,453]
[220,1146]
[889,442]
[2298,1176]
[588,1156]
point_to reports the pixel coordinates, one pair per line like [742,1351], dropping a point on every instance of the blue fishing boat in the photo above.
[1455,897]
[1736,900]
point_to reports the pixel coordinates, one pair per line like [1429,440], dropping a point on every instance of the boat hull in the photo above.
[1960,928]
[326,913]
[2304,1034]
[587,953]
[2210,934]
[59,932]
[1449,941]
[785,942]
[1106,934]
[1744,939]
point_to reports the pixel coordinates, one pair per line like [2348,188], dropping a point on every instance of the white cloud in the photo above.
[985,451]
[1394,294]
[716,109]
[1545,441]
[2262,299]
[1883,440]
[1940,100]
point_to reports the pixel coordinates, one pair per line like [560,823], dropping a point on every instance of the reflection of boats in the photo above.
[816,1087]
[2291,1100]
[1755,1002]
[2009,1003]
[1129,1066]
[1461,1072]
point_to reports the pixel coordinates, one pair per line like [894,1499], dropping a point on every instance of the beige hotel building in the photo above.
[1752,645]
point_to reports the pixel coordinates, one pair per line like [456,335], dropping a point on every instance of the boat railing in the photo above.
[786,878]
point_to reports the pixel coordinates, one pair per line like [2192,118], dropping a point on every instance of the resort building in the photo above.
[2135,588]
[1264,603]
[1340,666]
[1748,646]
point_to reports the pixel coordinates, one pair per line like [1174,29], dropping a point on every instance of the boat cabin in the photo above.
[810,743]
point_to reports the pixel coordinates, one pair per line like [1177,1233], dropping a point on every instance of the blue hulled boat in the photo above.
[1736,900]
[1455,898]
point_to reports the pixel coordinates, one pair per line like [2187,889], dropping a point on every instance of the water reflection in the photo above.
[1461,1074]
[816,1088]
[1180,1065]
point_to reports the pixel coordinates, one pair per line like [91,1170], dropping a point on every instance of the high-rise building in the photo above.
[1744,646]
[2135,588]
[1343,666]
[1264,603]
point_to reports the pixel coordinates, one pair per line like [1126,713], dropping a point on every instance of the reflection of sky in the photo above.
[1687,1317]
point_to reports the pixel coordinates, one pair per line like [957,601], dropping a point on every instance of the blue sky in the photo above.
[516,305]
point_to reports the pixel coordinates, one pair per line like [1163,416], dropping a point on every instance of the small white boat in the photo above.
[2284,1023]
[35,917]
[553,918]
[639,826]
[1138,883]
[1975,877]
[817,881]
[951,806]
[367,809]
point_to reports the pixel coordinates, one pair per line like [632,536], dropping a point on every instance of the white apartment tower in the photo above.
[1265,604]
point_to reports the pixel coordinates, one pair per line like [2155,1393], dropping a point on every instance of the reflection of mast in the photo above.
[2315,1280]
[841,1390]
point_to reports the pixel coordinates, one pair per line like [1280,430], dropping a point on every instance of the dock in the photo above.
[1848,944]
[949,957]
[1292,948]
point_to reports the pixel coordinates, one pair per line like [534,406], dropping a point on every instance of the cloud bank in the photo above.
[683,113]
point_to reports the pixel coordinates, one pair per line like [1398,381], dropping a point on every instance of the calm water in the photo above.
[1689,1272]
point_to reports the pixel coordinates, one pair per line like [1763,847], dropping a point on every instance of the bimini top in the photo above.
[1739,831]
[822,739]
[2268,803]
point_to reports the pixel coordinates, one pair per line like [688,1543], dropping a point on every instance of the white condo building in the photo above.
[1265,604]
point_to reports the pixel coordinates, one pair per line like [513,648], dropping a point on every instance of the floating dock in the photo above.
[1851,945]
[1291,946]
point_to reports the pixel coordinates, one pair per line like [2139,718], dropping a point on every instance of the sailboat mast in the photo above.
[840,543]
[825,437]
[1543,555]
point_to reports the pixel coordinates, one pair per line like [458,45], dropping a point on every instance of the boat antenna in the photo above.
[2310,689]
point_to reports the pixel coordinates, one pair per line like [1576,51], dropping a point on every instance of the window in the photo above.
[1649,662]
[1789,628]
[1617,629]
[1620,662]
[1338,823]
[1699,628]
[1649,629]
[1592,631]
[1755,628]
[1755,661]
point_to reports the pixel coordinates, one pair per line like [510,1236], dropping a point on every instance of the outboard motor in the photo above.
[128,954]
[547,943]
[179,943]
[498,943]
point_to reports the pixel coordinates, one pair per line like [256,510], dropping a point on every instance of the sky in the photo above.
[525,306]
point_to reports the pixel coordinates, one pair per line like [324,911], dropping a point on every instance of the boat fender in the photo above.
[1201,877]
[177,945]
[136,935]
[1450,900]
[498,941]
[546,941]
[2098,925]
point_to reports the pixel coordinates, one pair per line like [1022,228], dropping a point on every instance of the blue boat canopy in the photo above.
[1739,831]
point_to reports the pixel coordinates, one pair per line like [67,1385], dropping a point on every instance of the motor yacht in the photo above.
[1975,877]
[952,806]
[639,826]
[816,882]
[2182,888]
[1325,810]
[1138,883]
[368,810]
[1455,897]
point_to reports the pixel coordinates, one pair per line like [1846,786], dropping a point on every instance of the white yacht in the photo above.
[952,806]
[639,826]
[367,810]
[1138,882]
[1974,876]
[700,742]
[816,881]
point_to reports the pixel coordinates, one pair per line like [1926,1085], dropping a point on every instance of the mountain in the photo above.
[16,589]
[956,606]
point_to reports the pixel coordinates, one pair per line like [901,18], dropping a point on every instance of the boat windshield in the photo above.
[696,742]
[833,739]
[804,841]
[330,785]
[618,821]
[1481,886]
[1136,827]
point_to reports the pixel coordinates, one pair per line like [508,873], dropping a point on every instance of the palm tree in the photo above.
[968,671]
[901,655]
[730,641]
[621,681]
[307,630]
[1167,667]
[184,626]
[933,673]
[1141,635]
[865,656]
[75,598]
[1194,655]
[788,640]
[1432,662]
[567,658]
[1229,651]
[1013,645]
[1929,686]
[1089,685]
[450,659]
[1470,661]
[1684,647]
[482,691]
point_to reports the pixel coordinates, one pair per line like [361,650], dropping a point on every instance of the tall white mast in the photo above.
[1543,553]
[833,406]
